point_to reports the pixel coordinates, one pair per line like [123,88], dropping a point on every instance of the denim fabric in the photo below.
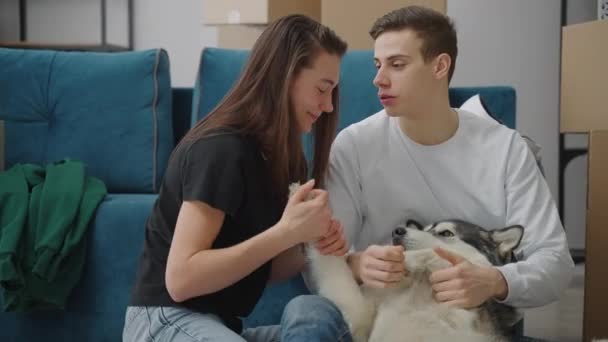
[313,318]
[159,324]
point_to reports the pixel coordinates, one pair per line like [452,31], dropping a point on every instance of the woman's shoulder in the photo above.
[220,142]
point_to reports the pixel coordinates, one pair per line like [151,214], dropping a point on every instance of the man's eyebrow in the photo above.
[392,57]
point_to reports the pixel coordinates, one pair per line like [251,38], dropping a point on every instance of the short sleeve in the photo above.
[213,172]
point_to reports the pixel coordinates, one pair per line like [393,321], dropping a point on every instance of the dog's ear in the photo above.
[413,224]
[507,239]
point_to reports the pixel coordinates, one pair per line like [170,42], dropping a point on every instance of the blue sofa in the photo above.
[118,113]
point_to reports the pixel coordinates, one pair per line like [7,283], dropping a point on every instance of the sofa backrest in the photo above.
[219,69]
[109,110]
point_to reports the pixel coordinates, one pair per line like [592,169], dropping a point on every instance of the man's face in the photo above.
[405,82]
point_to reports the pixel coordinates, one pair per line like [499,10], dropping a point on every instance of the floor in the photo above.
[561,321]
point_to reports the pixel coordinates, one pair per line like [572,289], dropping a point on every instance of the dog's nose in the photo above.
[398,235]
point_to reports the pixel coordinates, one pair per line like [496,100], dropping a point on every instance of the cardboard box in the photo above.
[352,19]
[584,109]
[257,11]
[238,36]
[596,297]
[584,77]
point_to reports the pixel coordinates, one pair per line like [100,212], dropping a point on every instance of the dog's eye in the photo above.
[446,233]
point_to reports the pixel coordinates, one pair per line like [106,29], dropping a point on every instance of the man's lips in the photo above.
[386,99]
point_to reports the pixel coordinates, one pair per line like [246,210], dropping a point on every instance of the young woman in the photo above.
[222,226]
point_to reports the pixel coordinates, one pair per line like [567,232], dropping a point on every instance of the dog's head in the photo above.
[462,237]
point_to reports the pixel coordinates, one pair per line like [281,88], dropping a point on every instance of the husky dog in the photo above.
[409,312]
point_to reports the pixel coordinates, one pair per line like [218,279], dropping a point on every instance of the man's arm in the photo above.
[546,268]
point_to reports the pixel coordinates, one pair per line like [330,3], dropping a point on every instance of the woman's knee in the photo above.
[312,308]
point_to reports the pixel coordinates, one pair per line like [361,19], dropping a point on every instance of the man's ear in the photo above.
[442,65]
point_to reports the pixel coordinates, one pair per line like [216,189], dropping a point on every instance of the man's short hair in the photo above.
[435,29]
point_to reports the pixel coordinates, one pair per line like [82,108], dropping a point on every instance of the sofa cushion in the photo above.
[219,69]
[95,310]
[110,110]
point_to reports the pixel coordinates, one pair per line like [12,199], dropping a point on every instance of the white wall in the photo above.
[515,43]
[9,20]
[175,26]
[178,27]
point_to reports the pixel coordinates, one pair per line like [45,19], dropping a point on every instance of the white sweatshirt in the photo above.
[484,174]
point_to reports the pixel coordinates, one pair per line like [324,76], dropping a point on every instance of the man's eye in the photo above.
[398,65]
[377,66]
[322,91]
[446,233]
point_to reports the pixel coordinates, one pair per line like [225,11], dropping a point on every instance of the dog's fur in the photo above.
[409,312]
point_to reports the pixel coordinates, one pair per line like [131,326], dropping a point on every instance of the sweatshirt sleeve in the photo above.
[344,186]
[545,267]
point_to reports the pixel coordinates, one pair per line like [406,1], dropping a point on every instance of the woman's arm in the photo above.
[293,260]
[194,269]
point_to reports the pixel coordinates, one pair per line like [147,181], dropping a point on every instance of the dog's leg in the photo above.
[335,281]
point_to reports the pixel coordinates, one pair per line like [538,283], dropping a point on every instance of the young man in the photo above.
[421,159]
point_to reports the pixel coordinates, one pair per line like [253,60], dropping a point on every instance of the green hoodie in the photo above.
[44,215]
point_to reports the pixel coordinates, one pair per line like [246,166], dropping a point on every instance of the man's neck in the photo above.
[432,125]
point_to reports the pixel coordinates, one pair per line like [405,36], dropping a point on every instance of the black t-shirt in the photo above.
[226,171]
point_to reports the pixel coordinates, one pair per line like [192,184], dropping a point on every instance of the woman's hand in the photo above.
[307,216]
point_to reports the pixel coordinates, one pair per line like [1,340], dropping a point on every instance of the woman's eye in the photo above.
[322,91]
[446,233]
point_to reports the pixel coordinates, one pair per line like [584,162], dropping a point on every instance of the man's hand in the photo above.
[334,243]
[378,266]
[464,284]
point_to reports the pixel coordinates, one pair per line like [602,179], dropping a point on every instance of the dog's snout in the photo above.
[398,235]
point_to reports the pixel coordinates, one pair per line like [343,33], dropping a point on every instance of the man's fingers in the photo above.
[384,266]
[451,257]
[383,279]
[449,285]
[444,275]
[446,296]
[388,253]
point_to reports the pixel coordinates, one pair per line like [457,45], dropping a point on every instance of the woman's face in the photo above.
[311,91]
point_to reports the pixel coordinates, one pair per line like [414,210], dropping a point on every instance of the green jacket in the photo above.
[44,215]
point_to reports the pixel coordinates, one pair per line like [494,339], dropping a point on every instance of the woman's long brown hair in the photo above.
[259,103]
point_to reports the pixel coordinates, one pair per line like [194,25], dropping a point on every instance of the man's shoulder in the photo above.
[372,125]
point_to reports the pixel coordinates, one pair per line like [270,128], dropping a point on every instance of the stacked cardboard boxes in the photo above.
[584,109]
[240,22]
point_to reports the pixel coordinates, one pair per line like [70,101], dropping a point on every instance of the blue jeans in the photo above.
[165,324]
[313,318]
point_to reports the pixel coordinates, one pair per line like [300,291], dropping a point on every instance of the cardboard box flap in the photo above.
[584,77]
